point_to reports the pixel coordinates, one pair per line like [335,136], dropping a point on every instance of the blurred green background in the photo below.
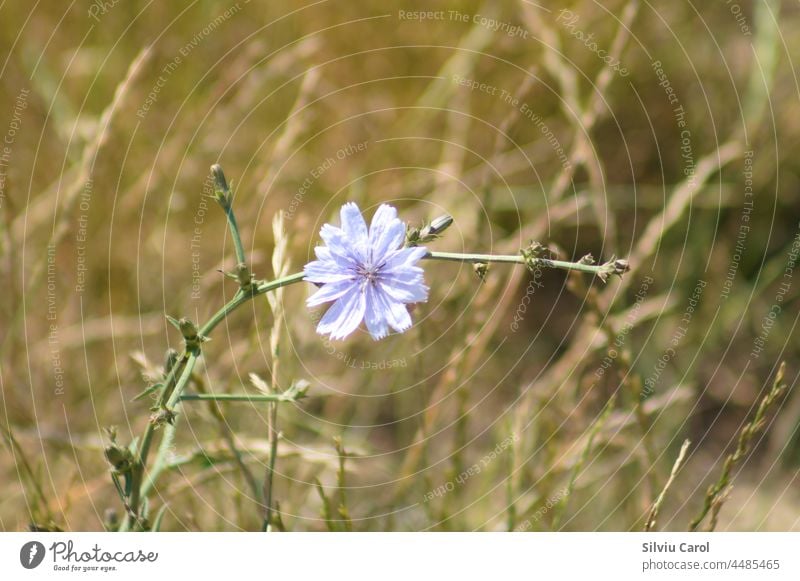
[663,133]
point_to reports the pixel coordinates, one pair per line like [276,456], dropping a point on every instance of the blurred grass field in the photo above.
[492,412]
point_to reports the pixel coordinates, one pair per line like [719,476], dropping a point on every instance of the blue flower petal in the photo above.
[386,233]
[341,247]
[402,291]
[353,223]
[325,271]
[374,317]
[332,291]
[396,314]
[405,257]
[344,316]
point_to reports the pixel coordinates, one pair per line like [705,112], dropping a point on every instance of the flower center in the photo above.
[368,272]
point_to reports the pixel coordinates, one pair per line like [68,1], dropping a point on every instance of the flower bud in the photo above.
[431,232]
[188,329]
[440,224]
[621,267]
[221,188]
[120,458]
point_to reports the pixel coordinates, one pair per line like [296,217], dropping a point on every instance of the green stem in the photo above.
[137,472]
[237,239]
[242,297]
[273,452]
[223,397]
[225,200]
[161,458]
[459,257]
[169,398]
[175,396]
[518,259]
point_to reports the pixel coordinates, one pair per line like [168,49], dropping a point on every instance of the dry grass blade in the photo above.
[280,267]
[90,153]
[558,510]
[679,461]
[295,124]
[715,497]
[39,507]
[341,484]
[649,242]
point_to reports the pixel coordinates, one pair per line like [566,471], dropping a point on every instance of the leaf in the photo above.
[147,391]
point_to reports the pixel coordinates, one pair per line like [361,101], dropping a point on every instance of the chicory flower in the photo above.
[368,274]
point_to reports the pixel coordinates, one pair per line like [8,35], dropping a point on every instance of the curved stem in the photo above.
[242,297]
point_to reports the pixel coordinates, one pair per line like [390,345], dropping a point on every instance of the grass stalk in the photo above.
[679,462]
[718,492]
[559,509]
